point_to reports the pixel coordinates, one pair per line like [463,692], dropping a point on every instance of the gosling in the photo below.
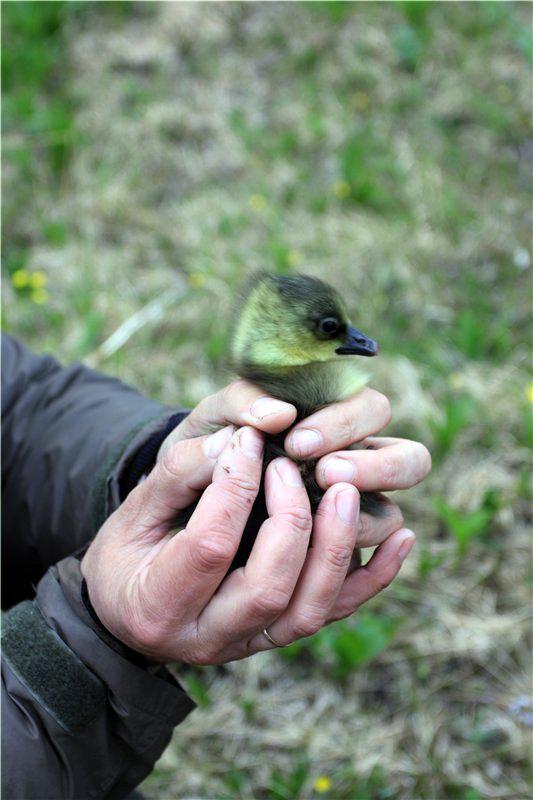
[290,337]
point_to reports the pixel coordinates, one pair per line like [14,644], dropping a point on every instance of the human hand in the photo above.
[169,596]
[240,403]
[383,464]
[379,464]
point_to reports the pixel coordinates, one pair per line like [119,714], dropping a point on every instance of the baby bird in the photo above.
[291,337]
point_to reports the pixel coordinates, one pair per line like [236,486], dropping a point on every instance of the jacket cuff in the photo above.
[83,721]
[144,459]
[149,701]
[107,491]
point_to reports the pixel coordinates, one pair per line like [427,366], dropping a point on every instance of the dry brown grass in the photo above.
[210,140]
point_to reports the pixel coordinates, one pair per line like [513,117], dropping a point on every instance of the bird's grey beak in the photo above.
[357,344]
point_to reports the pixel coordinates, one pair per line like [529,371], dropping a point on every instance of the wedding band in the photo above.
[271,640]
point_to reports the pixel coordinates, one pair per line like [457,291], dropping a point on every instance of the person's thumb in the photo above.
[176,482]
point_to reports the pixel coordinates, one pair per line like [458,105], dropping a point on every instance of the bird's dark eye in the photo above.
[328,326]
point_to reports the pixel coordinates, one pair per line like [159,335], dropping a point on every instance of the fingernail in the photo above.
[288,472]
[214,444]
[305,440]
[346,506]
[406,544]
[339,470]
[251,443]
[265,406]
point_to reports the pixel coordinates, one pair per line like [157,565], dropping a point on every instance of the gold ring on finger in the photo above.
[271,640]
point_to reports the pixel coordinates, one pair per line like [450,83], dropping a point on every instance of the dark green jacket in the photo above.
[82,717]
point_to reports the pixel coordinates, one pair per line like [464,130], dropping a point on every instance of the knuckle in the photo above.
[380,582]
[364,532]
[212,552]
[237,385]
[202,650]
[175,457]
[390,468]
[347,425]
[240,484]
[269,602]
[201,408]
[299,518]
[230,394]
[307,625]
[239,492]
[337,557]
[203,419]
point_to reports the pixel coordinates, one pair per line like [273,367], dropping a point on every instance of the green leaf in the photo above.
[336,10]
[408,46]
[235,779]
[285,786]
[429,562]
[368,165]
[458,412]
[198,690]
[466,525]
[356,644]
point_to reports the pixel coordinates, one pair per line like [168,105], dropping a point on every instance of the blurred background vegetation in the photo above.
[155,153]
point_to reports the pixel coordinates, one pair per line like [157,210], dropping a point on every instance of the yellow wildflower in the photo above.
[341,189]
[294,258]
[196,280]
[456,380]
[39,296]
[322,784]
[38,279]
[257,202]
[20,279]
[360,101]
[529,392]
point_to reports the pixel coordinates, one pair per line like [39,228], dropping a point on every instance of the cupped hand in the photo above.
[341,436]
[381,463]
[240,403]
[168,596]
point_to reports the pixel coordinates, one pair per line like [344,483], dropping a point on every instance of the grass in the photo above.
[165,150]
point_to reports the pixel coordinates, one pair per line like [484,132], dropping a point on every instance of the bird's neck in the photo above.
[310,386]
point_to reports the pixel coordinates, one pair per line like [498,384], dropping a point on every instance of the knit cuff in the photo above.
[145,457]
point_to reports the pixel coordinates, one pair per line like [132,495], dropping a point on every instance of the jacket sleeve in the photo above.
[81,719]
[67,434]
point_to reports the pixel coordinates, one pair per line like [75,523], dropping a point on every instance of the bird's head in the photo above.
[292,321]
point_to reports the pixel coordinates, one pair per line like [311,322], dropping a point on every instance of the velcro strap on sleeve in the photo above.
[58,680]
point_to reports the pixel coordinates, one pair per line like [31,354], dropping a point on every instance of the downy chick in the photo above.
[291,337]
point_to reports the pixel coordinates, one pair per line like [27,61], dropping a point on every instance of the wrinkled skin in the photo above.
[170,598]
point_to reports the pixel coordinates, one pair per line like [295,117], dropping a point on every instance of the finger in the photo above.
[240,403]
[176,481]
[324,571]
[375,576]
[193,563]
[339,425]
[395,464]
[253,596]
[374,530]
